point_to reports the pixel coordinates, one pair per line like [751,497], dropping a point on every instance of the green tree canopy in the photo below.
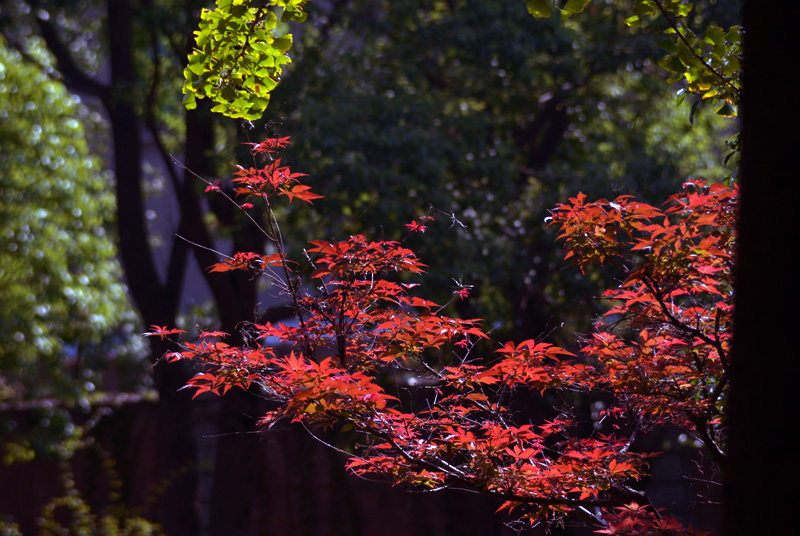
[61,290]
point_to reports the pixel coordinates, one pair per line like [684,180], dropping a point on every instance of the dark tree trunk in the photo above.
[157,302]
[178,509]
[762,462]
[236,476]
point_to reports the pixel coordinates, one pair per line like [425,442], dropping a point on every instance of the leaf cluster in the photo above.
[62,299]
[367,355]
[238,59]
[707,63]
[665,346]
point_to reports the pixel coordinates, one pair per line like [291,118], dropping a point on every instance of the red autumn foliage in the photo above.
[367,355]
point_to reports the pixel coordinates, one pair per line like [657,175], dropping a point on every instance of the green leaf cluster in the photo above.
[708,63]
[61,291]
[540,9]
[710,66]
[72,512]
[238,59]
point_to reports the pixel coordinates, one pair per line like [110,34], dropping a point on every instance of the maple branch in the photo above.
[226,196]
[277,241]
[701,425]
[620,496]
[332,446]
[722,357]
[341,340]
[721,384]
[655,291]
[201,246]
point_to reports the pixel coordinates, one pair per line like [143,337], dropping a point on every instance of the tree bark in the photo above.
[157,303]
[763,463]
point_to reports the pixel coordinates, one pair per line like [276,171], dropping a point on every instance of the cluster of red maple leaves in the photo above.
[368,355]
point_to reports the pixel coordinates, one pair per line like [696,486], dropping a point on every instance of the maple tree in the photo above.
[369,355]
[246,259]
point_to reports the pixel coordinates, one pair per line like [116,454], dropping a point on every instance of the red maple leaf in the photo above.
[162,331]
[415,227]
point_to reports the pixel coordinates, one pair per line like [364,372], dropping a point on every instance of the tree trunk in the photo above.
[157,303]
[762,458]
